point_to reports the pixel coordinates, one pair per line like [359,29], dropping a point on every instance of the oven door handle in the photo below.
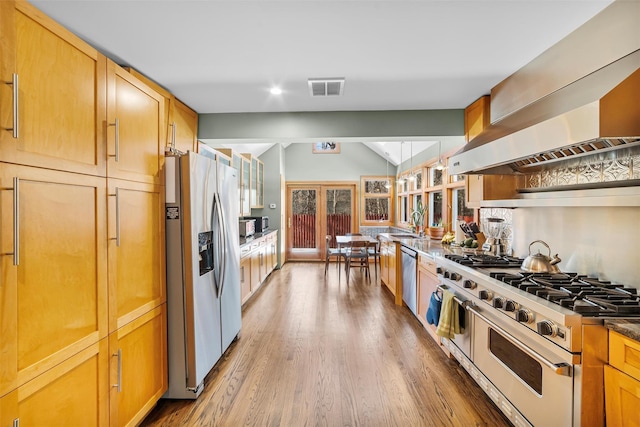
[559,368]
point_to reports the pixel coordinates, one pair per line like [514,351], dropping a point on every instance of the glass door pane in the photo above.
[339,212]
[303,219]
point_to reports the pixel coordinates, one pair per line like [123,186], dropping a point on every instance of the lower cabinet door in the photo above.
[245,278]
[622,398]
[73,393]
[138,367]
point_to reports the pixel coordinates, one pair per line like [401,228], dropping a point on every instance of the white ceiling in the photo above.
[223,56]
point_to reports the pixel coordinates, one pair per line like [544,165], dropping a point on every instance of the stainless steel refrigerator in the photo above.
[203,268]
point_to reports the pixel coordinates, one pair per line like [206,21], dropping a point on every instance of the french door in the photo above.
[315,211]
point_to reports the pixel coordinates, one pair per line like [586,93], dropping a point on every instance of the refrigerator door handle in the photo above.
[221,242]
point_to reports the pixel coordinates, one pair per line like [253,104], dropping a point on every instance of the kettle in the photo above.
[539,263]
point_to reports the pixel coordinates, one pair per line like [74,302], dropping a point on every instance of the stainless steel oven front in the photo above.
[537,377]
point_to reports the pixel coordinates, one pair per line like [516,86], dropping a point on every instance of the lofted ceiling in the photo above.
[224,56]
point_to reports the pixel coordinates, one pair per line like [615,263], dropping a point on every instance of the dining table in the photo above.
[347,240]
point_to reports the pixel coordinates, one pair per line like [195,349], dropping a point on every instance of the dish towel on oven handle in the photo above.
[433,312]
[449,324]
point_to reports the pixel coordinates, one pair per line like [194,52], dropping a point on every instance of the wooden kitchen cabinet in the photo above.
[73,393]
[245,186]
[183,122]
[60,92]
[138,367]
[622,381]
[256,264]
[243,166]
[256,185]
[257,260]
[273,251]
[136,251]
[388,265]
[245,274]
[489,187]
[135,128]
[53,303]
[384,261]
[180,121]
[477,117]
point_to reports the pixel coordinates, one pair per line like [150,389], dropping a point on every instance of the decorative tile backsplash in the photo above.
[507,215]
[588,171]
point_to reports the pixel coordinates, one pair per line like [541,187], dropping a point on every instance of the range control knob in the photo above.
[547,327]
[525,316]
[485,294]
[469,284]
[510,305]
[455,276]
[498,302]
[440,270]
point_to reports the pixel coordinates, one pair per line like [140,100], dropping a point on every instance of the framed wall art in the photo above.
[326,147]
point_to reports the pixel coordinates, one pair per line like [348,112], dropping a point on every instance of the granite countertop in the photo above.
[425,245]
[628,328]
[256,236]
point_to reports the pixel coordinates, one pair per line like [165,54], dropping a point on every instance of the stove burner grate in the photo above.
[484,260]
[581,294]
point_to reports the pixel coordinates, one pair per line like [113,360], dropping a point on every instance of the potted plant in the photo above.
[417,217]
[436,231]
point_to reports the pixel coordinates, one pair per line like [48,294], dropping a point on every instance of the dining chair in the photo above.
[357,255]
[333,252]
[374,252]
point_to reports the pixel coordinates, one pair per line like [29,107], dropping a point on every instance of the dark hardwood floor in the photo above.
[323,352]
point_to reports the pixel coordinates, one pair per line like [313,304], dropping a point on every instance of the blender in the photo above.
[493,228]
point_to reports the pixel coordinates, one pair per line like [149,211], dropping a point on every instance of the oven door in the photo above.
[461,341]
[537,378]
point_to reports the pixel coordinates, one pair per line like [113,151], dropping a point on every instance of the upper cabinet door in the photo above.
[52,110]
[183,123]
[135,128]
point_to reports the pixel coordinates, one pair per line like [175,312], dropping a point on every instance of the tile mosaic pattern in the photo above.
[595,170]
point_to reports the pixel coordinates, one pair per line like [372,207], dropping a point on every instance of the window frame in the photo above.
[390,196]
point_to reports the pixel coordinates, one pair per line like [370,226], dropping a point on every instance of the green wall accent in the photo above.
[354,160]
[311,126]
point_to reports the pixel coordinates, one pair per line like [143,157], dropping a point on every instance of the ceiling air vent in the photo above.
[326,87]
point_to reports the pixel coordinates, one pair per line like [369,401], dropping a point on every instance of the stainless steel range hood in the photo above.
[596,114]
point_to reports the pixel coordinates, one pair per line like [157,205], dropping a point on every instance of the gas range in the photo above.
[551,305]
[534,340]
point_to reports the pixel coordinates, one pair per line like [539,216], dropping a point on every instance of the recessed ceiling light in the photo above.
[276,90]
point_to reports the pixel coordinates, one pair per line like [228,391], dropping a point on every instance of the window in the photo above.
[459,209]
[435,209]
[376,206]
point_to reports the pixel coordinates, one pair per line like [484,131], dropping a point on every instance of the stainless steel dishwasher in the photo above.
[409,273]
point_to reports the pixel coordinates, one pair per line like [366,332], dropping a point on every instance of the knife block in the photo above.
[481,239]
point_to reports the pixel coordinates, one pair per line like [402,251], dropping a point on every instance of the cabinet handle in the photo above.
[173,136]
[117,196]
[119,356]
[14,83]
[16,422]
[16,222]
[242,274]
[117,126]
